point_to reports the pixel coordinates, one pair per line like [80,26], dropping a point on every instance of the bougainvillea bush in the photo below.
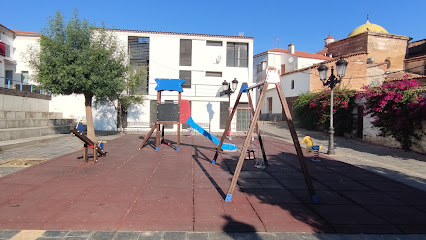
[398,109]
[312,110]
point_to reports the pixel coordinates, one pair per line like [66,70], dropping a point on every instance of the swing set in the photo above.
[272,77]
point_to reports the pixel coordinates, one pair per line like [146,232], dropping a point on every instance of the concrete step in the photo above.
[30,132]
[11,144]
[34,122]
[25,115]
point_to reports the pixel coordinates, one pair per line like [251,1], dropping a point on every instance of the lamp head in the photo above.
[341,67]
[234,84]
[225,85]
[322,70]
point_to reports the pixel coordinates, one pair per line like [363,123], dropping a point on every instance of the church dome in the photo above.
[368,27]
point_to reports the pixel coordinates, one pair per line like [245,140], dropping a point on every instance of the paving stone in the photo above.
[50,238]
[52,234]
[126,236]
[196,236]
[219,236]
[6,234]
[151,235]
[173,235]
[102,236]
[287,236]
[79,234]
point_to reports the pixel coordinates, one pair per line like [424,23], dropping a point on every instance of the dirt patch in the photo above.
[23,162]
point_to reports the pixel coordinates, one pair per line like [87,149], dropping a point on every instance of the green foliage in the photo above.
[312,110]
[302,112]
[76,57]
[398,109]
[73,60]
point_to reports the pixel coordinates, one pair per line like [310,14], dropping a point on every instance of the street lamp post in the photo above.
[229,90]
[331,82]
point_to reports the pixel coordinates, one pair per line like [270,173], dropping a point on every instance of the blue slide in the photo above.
[225,146]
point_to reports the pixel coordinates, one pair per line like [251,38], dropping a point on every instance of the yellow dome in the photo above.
[367,27]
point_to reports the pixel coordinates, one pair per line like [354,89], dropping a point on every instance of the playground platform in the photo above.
[181,191]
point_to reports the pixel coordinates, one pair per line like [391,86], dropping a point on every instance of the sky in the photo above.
[306,23]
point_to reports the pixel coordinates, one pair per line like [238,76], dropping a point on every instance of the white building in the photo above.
[203,60]
[7,63]
[14,69]
[285,61]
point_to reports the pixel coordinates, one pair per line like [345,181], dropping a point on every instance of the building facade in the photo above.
[285,61]
[203,60]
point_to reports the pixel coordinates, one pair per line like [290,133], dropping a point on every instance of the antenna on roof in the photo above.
[276,42]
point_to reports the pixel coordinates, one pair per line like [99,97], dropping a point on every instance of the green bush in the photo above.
[312,110]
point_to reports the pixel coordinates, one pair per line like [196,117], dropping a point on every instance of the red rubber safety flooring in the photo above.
[168,190]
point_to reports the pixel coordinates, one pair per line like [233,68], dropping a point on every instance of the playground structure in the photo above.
[177,114]
[311,147]
[97,148]
[272,77]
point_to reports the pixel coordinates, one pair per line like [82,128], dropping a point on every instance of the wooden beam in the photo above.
[228,124]
[246,144]
[257,129]
[154,126]
[296,143]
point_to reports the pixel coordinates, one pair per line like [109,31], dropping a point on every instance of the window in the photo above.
[269,104]
[187,76]
[25,77]
[213,74]
[292,84]
[7,51]
[139,56]
[282,68]
[185,52]
[237,54]
[224,114]
[214,43]
[261,66]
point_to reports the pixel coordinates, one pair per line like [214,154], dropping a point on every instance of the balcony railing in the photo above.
[21,86]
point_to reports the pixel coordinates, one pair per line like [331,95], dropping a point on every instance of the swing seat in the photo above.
[250,156]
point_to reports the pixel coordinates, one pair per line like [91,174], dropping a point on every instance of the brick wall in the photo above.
[355,76]
[350,45]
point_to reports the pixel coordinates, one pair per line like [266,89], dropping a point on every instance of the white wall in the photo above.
[23,104]
[22,45]
[301,83]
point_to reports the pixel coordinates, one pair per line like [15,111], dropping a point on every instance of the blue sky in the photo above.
[305,23]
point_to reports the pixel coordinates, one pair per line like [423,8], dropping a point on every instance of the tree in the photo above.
[76,57]
[122,100]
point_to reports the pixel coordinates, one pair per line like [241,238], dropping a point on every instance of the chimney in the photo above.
[291,48]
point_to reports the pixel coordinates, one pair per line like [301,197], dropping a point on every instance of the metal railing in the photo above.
[10,83]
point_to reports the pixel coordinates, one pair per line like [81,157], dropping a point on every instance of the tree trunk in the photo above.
[120,117]
[89,118]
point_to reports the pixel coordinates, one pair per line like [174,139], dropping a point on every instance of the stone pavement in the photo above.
[406,167]
[91,235]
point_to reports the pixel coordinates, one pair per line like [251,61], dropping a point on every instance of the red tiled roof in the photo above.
[26,33]
[323,51]
[176,33]
[330,37]
[301,54]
